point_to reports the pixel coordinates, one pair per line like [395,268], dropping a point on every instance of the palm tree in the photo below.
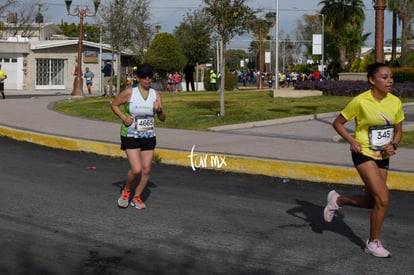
[403,10]
[393,6]
[344,20]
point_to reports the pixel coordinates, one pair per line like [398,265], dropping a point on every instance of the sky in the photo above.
[169,14]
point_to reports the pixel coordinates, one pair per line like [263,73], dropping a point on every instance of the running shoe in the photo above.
[123,201]
[138,203]
[331,206]
[376,249]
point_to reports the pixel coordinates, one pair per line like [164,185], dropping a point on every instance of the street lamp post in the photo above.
[260,59]
[81,13]
[322,39]
[271,21]
[277,47]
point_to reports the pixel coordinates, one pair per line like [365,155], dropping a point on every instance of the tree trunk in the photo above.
[404,39]
[118,72]
[394,37]
[342,56]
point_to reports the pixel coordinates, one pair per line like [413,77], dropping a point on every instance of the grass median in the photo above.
[198,110]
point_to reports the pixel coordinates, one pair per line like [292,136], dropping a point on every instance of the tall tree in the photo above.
[228,18]
[126,23]
[5,4]
[393,6]
[344,19]
[165,54]
[403,9]
[306,27]
[91,32]
[234,57]
[194,36]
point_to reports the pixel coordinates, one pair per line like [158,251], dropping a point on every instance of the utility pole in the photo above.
[277,47]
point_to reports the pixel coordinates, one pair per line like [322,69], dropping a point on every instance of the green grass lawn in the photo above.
[198,110]
[408,139]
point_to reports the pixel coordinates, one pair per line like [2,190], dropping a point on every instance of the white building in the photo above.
[387,52]
[32,64]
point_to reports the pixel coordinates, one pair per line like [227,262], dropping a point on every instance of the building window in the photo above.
[50,72]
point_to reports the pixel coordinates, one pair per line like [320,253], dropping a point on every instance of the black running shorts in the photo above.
[145,144]
[360,158]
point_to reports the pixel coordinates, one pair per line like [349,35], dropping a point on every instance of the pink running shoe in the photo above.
[331,206]
[376,249]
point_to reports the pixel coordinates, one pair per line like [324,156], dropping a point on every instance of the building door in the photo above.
[50,74]
[13,66]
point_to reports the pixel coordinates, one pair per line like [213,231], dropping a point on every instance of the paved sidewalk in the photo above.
[298,148]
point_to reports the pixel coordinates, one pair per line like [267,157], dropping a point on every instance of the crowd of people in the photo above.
[285,78]
[174,81]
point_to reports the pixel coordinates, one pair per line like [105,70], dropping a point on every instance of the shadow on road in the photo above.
[312,214]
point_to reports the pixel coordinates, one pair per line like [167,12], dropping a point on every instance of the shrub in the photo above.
[403,74]
[123,82]
[231,81]
[299,67]
[355,66]
[410,60]
[352,87]
[360,65]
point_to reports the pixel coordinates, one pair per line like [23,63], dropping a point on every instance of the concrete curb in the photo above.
[294,93]
[231,163]
[271,122]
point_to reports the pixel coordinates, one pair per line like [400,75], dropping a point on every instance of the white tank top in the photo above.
[142,110]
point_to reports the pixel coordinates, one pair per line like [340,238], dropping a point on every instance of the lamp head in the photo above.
[68,3]
[96,3]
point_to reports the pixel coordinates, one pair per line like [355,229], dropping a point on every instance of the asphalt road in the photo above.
[58,215]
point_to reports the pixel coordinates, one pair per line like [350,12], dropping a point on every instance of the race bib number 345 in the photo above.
[380,136]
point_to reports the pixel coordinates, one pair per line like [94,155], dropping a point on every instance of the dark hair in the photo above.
[372,69]
[145,69]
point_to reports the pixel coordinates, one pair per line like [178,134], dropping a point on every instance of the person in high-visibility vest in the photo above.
[213,80]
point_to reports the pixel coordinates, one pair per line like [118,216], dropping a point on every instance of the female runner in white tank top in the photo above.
[141,104]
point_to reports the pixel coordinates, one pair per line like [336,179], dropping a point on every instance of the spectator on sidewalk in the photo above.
[316,75]
[325,74]
[189,76]
[108,73]
[88,75]
[177,81]
[3,76]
